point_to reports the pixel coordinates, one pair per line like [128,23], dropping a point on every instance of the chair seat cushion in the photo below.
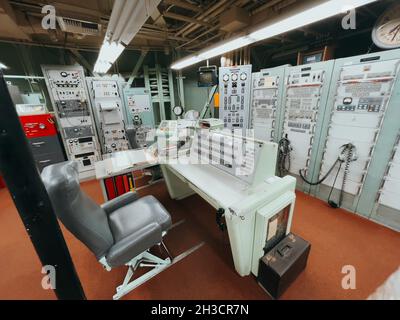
[134,244]
[136,216]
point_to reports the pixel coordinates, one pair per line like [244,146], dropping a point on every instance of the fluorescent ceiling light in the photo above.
[226,47]
[183,63]
[127,18]
[3,66]
[212,52]
[102,67]
[316,13]
[109,53]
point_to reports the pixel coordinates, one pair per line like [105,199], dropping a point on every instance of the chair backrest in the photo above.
[131,135]
[85,219]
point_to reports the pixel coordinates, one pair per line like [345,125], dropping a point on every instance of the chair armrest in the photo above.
[119,202]
[134,244]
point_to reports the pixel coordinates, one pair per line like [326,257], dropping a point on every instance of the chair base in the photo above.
[145,259]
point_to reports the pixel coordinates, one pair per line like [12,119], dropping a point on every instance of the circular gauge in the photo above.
[243,76]
[225,77]
[386,32]
[234,77]
[178,111]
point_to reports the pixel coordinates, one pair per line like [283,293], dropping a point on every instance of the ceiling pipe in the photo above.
[184,5]
[215,14]
[201,44]
[199,36]
[185,18]
[266,6]
[204,15]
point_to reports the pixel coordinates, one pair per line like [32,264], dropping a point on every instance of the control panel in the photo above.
[38,125]
[67,89]
[108,109]
[389,194]
[234,95]
[41,132]
[139,114]
[305,85]
[267,88]
[362,93]
[236,155]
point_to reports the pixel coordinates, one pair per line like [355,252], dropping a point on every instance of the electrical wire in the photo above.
[346,155]
[322,179]
[284,160]
[350,150]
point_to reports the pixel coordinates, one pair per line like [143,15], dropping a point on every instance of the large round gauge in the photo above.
[225,77]
[234,77]
[178,111]
[243,76]
[386,33]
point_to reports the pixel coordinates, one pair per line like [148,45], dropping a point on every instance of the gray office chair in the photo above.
[119,232]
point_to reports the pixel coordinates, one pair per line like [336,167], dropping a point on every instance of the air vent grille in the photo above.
[79,26]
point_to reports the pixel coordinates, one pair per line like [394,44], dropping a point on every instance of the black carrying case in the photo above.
[282,264]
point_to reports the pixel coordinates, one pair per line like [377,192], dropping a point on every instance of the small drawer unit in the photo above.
[45,145]
[44,160]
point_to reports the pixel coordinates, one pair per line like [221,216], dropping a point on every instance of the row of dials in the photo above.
[73,74]
[234,77]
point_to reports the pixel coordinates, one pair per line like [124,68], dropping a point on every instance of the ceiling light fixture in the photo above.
[226,47]
[315,13]
[127,18]
[109,53]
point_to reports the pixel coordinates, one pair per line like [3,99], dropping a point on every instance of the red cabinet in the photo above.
[37,126]
[41,132]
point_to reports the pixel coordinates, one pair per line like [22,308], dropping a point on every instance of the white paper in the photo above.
[272,228]
[121,162]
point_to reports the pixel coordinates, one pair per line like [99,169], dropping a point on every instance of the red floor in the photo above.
[338,238]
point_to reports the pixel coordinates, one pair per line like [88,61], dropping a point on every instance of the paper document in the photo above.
[272,228]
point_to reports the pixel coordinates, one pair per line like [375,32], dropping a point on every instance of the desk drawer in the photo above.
[45,160]
[45,145]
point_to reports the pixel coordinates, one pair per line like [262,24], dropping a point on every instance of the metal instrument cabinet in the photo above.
[43,139]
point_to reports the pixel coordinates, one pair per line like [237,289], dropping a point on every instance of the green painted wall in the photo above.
[195,97]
